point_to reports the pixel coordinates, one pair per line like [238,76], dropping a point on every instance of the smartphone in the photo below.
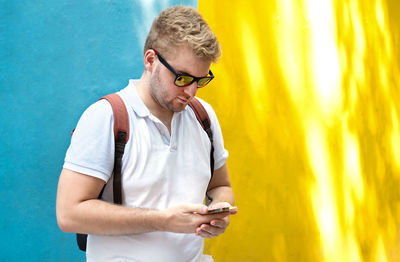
[221,209]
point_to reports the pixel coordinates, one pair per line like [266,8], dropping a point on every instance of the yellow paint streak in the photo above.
[323,191]
[352,176]
[254,68]
[380,254]
[395,140]
[308,97]
[325,64]
[287,31]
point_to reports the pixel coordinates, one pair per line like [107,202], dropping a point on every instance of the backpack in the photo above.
[121,136]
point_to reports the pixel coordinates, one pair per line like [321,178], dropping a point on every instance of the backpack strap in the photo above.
[204,120]
[121,135]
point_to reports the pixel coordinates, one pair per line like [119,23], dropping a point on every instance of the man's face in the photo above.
[162,86]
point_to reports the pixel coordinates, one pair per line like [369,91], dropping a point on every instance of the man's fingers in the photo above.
[233,211]
[220,215]
[219,205]
[208,231]
[205,234]
[218,223]
[193,208]
[199,209]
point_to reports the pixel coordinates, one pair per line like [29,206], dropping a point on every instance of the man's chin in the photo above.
[178,108]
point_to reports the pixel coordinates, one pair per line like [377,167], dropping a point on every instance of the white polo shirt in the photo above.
[159,169]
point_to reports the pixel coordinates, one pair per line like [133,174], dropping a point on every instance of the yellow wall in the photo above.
[307,93]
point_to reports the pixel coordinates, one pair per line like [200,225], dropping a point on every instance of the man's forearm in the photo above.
[221,194]
[102,218]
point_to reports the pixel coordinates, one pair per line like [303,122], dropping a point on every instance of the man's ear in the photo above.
[149,59]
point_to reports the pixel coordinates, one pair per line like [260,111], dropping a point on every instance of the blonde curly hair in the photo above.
[180,25]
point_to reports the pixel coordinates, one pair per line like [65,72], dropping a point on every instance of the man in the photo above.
[166,165]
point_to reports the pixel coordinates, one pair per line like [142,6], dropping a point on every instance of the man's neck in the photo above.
[163,114]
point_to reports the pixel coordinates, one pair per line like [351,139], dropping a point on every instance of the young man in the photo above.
[166,165]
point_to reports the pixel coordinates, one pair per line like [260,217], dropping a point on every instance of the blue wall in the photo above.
[56,58]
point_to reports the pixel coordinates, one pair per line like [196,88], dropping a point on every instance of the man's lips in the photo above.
[183,100]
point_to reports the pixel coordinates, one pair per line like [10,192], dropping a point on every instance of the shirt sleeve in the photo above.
[91,151]
[220,153]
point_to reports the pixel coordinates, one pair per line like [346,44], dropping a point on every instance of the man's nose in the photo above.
[191,89]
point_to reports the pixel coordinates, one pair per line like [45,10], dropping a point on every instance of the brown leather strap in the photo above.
[121,133]
[121,137]
[200,112]
[204,119]
[121,119]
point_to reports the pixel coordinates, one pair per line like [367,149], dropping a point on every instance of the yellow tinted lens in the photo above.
[203,81]
[183,80]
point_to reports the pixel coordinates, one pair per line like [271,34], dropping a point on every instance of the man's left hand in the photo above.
[217,226]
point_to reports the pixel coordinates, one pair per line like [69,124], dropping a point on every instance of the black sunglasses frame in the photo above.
[194,78]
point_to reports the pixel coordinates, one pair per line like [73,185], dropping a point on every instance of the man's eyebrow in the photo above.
[182,72]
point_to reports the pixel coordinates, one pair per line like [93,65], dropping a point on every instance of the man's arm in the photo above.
[221,193]
[220,189]
[79,210]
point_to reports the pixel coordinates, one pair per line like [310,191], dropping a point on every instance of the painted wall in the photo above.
[56,58]
[308,96]
[307,93]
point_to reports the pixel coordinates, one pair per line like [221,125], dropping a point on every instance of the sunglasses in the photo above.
[183,80]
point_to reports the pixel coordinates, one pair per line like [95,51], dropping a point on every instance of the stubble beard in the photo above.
[159,92]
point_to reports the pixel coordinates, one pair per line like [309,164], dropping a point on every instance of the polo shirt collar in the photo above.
[134,100]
